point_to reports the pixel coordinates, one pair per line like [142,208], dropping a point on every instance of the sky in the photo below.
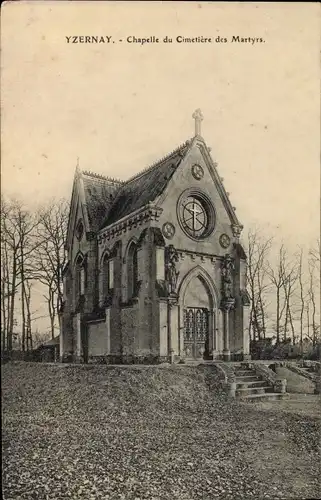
[118,107]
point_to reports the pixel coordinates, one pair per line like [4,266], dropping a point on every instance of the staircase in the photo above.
[252,387]
[308,370]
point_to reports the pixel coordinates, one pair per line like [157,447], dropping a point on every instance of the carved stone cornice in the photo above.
[228,304]
[173,300]
[141,216]
[182,253]
[236,230]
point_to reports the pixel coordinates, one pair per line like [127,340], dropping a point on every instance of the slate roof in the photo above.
[54,341]
[99,194]
[49,343]
[144,187]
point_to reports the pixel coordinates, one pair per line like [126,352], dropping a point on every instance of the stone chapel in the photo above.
[155,269]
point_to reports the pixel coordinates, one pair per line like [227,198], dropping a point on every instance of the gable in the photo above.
[92,197]
[199,155]
[77,210]
[197,178]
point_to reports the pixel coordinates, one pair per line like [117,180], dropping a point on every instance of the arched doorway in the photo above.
[197,305]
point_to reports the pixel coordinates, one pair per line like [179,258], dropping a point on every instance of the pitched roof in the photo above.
[99,194]
[144,187]
[106,200]
[49,343]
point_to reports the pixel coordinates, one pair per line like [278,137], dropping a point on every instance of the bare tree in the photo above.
[32,247]
[312,304]
[27,291]
[26,223]
[289,287]
[18,226]
[258,250]
[39,337]
[315,255]
[282,279]
[9,265]
[50,257]
[302,298]
[6,288]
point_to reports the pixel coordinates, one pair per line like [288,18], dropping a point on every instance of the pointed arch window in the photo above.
[107,276]
[66,284]
[132,270]
[80,277]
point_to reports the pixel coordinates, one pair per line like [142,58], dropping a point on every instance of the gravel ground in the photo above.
[154,433]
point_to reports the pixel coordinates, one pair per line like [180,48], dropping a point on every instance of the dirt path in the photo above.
[301,404]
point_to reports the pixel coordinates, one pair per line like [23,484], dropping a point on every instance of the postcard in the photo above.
[160,250]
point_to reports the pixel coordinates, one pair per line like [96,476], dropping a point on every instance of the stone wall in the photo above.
[98,339]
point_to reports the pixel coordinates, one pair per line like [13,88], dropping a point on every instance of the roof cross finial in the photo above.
[198,117]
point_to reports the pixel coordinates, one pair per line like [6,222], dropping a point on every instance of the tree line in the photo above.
[283,286]
[32,252]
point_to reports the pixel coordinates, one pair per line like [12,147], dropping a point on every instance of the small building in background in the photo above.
[48,351]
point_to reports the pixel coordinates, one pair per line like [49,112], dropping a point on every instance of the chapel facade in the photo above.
[155,269]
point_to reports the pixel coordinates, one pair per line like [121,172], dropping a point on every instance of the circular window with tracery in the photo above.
[196,214]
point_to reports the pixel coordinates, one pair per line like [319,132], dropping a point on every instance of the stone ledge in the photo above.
[228,376]
[314,377]
[300,371]
[314,365]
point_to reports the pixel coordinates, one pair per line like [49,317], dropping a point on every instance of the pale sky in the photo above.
[120,106]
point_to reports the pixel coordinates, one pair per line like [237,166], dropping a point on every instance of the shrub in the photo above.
[261,349]
[314,353]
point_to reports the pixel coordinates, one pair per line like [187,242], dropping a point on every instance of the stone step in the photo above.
[268,396]
[247,378]
[247,391]
[253,383]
